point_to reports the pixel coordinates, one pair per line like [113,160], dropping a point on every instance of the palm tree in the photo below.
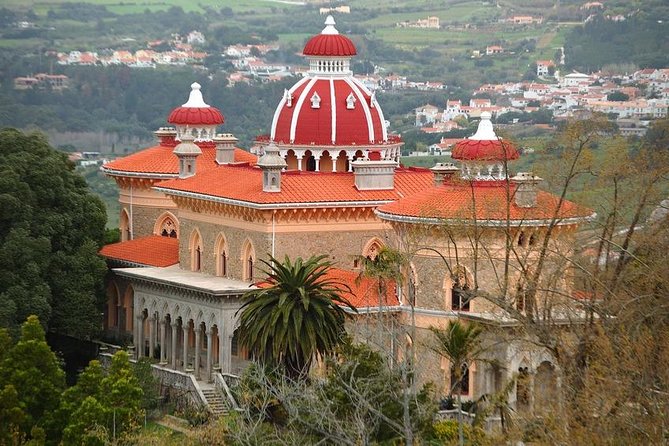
[296,313]
[460,344]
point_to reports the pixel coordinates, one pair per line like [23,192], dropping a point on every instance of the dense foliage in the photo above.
[602,42]
[51,228]
[36,409]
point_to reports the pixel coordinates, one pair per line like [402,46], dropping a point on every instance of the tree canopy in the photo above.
[297,315]
[51,228]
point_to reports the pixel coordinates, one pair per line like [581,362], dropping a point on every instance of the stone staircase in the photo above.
[215,402]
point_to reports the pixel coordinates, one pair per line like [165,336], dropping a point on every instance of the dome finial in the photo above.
[195,99]
[329,26]
[485,132]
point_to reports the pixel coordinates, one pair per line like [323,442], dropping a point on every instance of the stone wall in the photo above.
[144,219]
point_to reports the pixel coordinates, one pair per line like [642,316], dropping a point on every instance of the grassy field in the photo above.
[128,7]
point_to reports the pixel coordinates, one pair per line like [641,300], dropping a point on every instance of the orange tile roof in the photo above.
[153,250]
[364,290]
[244,183]
[454,201]
[161,160]
[365,293]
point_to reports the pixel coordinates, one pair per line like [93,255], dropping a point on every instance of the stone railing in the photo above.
[221,383]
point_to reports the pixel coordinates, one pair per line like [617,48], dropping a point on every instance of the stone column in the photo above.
[163,349]
[299,163]
[198,348]
[140,335]
[318,162]
[173,341]
[209,348]
[152,335]
[227,354]
[186,331]
[222,352]
[530,385]
[350,161]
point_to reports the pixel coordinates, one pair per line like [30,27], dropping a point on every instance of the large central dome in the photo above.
[329,107]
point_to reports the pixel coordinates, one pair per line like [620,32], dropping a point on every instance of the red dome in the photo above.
[484,150]
[329,45]
[328,112]
[195,116]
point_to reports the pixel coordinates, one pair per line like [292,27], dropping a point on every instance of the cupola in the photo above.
[187,152]
[196,117]
[484,156]
[329,119]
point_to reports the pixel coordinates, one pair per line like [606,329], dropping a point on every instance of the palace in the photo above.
[198,214]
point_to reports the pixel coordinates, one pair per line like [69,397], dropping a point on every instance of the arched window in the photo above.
[463,387]
[372,248]
[124,226]
[248,261]
[523,389]
[521,238]
[221,253]
[461,290]
[167,225]
[196,251]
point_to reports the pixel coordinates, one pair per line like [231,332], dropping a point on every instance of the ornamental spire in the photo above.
[330,26]
[195,99]
[485,132]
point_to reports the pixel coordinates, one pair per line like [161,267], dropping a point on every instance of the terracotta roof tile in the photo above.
[161,160]
[244,183]
[153,250]
[455,201]
[365,293]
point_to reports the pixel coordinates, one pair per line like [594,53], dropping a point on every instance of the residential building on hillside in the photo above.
[199,214]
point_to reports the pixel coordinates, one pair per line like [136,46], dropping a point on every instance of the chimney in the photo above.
[166,136]
[374,173]
[271,164]
[444,172]
[225,148]
[526,190]
[187,152]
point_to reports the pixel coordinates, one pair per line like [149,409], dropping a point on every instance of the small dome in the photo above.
[329,43]
[195,112]
[187,147]
[484,145]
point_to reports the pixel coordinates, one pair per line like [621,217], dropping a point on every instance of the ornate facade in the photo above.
[199,214]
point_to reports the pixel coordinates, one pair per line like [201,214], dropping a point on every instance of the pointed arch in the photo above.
[112,306]
[124,225]
[167,225]
[457,288]
[248,259]
[127,312]
[221,254]
[195,248]
[372,248]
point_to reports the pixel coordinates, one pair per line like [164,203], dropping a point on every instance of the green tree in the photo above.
[460,344]
[618,96]
[102,406]
[297,313]
[31,372]
[51,228]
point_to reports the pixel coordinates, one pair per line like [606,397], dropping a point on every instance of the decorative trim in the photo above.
[491,223]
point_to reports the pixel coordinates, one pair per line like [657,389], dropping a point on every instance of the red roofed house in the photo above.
[198,215]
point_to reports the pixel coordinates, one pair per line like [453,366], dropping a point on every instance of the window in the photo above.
[195,246]
[250,268]
[463,387]
[197,264]
[461,290]
[168,228]
[521,239]
[248,259]
[223,263]
[234,344]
